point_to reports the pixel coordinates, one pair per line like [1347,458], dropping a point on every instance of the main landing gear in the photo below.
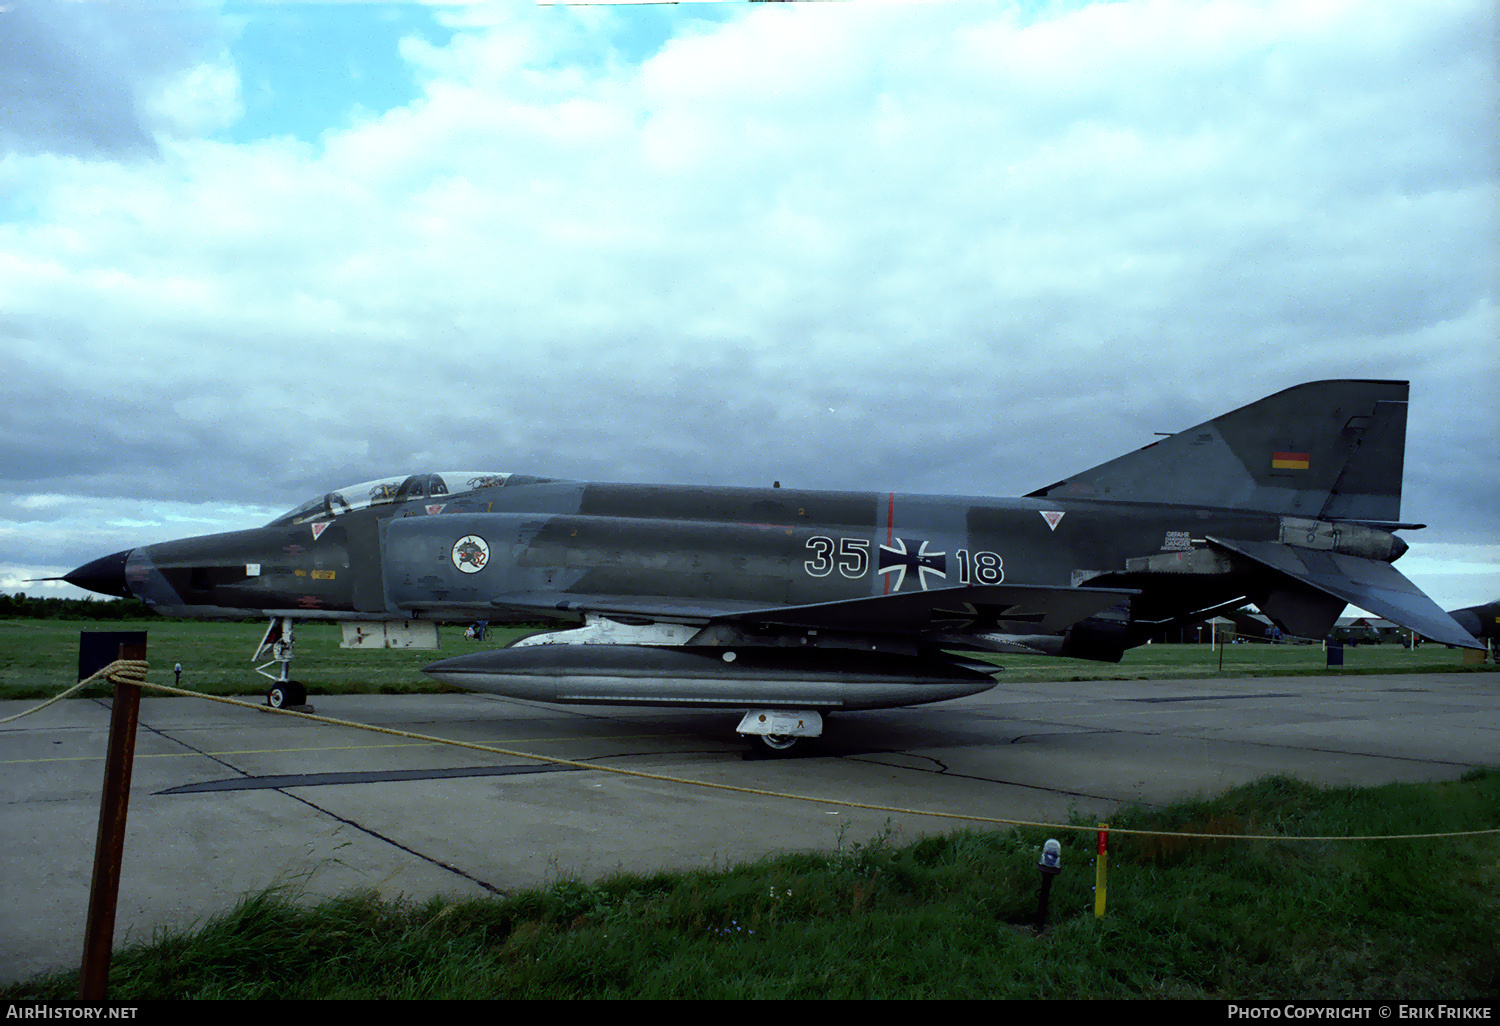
[278,642]
[779,733]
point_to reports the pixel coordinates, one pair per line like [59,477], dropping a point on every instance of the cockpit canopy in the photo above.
[392,490]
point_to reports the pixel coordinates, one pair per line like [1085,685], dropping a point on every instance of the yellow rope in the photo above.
[134,672]
[121,671]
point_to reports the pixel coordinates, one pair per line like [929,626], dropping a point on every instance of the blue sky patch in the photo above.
[305,68]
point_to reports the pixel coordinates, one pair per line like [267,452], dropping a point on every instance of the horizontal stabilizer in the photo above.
[1367,583]
[1034,609]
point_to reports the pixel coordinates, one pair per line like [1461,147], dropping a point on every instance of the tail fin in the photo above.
[1329,449]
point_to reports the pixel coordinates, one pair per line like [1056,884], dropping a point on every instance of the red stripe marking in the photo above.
[890,527]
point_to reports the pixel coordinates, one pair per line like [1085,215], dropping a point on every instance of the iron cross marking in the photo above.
[898,557]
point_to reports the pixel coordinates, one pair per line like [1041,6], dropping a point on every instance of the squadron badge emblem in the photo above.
[471,553]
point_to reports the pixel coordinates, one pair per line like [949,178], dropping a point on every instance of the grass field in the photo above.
[38,658]
[946,917]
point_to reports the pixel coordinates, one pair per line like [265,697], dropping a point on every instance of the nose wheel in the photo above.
[284,693]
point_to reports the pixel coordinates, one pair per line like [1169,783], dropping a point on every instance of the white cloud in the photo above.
[200,101]
[1000,246]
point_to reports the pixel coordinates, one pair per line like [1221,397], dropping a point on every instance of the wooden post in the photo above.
[109,846]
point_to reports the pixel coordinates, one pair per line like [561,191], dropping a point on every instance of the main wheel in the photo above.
[286,693]
[775,746]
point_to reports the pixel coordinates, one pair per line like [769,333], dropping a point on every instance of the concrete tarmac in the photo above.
[228,801]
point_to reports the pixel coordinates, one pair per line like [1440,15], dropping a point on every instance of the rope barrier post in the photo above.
[109,845]
[1099,867]
[1049,866]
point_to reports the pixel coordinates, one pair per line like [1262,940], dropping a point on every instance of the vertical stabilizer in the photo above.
[1330,449]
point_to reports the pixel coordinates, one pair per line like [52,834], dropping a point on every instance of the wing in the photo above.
[868,653]
[994,608]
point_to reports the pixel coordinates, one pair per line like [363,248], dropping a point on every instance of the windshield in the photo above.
[392,490]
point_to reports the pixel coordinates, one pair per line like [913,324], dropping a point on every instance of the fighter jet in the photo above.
[1482,621]
[791,604]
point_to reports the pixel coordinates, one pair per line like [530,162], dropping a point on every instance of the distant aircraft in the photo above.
[1482,621]
[791,603]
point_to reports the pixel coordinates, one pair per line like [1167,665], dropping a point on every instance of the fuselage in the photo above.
[449,554]
[775,595]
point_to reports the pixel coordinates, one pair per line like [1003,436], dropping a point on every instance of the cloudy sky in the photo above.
[250,251]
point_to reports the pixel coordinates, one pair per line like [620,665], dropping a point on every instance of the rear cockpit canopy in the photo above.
[397,489]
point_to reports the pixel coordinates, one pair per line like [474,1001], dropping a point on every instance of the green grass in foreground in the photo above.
[944,917]
[38,658]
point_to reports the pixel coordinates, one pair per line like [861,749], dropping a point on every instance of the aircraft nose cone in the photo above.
[1469,620]
[105,575]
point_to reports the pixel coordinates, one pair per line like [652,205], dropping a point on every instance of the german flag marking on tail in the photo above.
[1288,461]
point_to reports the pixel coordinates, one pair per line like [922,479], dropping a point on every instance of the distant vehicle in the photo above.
[792,603]
[1364,630]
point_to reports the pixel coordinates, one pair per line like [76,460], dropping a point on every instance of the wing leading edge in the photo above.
[995,608]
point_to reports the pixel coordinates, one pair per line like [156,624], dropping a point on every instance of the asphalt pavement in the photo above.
[228,801]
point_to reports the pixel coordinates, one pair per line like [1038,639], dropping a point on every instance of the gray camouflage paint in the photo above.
[1289,502]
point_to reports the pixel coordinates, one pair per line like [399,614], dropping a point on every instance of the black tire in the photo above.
[287,693]
[776,746]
